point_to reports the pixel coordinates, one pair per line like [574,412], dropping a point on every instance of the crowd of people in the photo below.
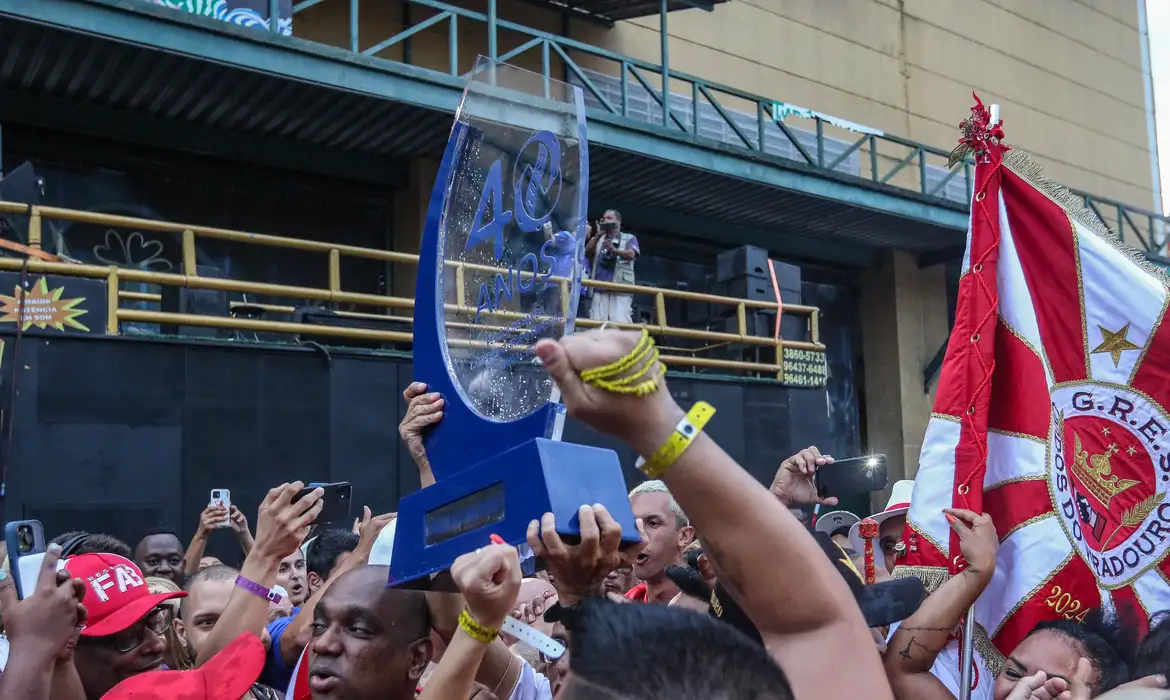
[728,596]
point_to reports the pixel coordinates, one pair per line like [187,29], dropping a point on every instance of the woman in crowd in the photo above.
[1060,660]
[173,657]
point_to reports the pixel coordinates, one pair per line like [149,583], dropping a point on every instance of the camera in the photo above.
[609,226]
[25,541]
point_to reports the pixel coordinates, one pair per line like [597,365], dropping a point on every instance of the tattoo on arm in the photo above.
[925,629]
[905,653]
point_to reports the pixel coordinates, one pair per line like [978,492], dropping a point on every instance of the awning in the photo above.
[610,11]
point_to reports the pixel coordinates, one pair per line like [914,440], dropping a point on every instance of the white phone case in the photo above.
[223,498]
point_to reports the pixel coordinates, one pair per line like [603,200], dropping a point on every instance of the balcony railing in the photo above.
[776,360]
[617,86]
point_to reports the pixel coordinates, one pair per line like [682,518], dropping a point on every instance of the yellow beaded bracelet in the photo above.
[478,632]
[645,345]
[626,385]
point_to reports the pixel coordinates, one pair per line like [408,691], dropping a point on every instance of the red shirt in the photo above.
[638,593]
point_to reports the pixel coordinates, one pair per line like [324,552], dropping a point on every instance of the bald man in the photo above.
[369,642]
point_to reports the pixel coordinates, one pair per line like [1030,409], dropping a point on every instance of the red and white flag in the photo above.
[1050,415]
[298,687]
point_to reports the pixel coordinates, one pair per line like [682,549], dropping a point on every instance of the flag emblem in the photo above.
[1109,477]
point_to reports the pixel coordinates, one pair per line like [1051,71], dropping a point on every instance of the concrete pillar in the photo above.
[904,321]
[410,215]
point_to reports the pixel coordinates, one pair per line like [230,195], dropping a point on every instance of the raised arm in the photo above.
[490,581]
[209,519]
[243,532]
[423,410]
[915,645]
[42,630]
[281,526]
[763,555]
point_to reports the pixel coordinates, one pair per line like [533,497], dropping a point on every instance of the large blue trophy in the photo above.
[499,269]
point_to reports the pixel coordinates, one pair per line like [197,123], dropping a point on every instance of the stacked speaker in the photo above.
[743,273]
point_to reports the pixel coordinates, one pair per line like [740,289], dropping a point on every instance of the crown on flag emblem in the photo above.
[1096,472]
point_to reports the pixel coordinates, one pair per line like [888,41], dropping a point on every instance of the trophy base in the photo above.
[501,496]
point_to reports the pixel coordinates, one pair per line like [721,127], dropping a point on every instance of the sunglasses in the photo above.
[129,639]
[891,546]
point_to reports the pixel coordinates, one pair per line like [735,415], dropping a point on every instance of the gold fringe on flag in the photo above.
[931,576]
[1032,172]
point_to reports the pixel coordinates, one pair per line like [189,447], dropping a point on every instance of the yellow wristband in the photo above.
[684,434]
[478,632]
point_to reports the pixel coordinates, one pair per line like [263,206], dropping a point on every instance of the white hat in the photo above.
[382,553]
[835,520]
[899,504]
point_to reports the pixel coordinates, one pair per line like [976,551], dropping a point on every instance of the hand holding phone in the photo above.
[285,517]
[336,501]
[795,480]
[850,477]
[26,551]
[50,615]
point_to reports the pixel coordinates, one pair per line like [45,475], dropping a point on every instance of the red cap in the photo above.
[226,676]
[116,594]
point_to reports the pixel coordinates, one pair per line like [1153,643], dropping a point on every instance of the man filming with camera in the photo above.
[611,253]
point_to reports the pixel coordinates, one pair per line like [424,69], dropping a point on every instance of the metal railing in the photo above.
[883,160]
[334,294]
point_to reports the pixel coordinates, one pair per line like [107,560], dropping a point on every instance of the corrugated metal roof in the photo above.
[176,90]
[93,71]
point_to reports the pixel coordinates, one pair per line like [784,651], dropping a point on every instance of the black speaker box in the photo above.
[745,260]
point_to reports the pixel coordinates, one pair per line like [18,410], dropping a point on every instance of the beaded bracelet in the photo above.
[623,386]
[643,359]
[644,346]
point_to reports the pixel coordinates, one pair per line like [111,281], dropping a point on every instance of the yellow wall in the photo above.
[1067,73]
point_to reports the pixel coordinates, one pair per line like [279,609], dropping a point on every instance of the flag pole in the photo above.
[968,655]
[967,651]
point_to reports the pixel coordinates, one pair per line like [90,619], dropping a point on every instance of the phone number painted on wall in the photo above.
[805,368]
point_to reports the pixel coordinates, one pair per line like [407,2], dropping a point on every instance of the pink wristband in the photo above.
[256,589]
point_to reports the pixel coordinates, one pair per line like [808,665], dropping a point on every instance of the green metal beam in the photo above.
[704,5]
[671,146]
[790,246]
[163,29]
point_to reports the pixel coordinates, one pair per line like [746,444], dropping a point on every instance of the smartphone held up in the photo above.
[852,477]
[336,502]
[26,552]
[223,499]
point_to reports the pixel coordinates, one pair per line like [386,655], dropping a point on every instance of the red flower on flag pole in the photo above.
[1050,413]
[978,135]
